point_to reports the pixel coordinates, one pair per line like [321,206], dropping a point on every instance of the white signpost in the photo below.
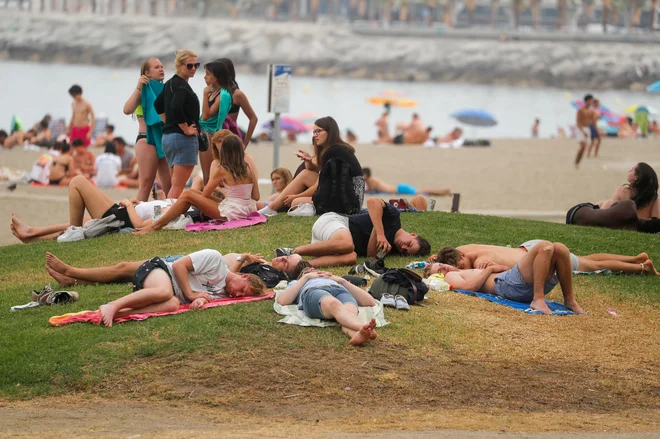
[279,92]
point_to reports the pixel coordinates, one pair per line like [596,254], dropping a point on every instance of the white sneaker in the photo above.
[267,211]
[388,300]
[402,303]
[179,224]
[306,209]
[73,233]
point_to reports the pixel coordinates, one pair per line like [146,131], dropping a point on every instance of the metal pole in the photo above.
[277,139]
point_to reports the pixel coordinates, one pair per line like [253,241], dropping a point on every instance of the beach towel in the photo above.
[95,316]
[557,308]
[602,271]
[230,124]
[151,118]
[215,123]
[294,316]
[254,219]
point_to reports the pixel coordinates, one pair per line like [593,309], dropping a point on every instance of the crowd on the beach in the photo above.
[177,130]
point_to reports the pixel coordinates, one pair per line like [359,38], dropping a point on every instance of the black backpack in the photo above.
[267,273]
[400,281]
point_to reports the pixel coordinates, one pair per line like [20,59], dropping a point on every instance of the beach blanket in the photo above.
[557,308]
[95,316]
[294,316]
[254,219]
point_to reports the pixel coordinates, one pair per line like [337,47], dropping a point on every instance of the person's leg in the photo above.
[346,315]
[561,264]
[197,184]
[644,267]
[302,182]
[340,243]
[591,146]
[122,272]
[83,195]
[301,200]
[164,176]
[534,268]
[180,176]
[205,160]
[578,157]
[419,202]
[157,291]
[28,233]
[147,159]
[612,257]
[621,215]
[437,192]
[598,140]
[189,198]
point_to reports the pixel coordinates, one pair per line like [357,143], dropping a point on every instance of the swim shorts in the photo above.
[80,133]
[511,285]
[327,225]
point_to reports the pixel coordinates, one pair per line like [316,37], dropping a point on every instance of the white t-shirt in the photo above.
[107,167]
[209,275]
[145,210]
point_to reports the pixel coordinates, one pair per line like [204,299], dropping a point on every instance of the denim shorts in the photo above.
[511,285]
[311,300]
[180,150]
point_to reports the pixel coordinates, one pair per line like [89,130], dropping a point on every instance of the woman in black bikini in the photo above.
[149,158]
[239,101]
[642,188]
[63,167]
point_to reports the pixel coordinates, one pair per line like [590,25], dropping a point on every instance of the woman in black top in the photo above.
[181,107]
[239,101]
[333,179]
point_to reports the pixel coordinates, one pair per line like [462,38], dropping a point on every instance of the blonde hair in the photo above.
[284,173]
[257,286]
[181,56]
[217,139]
[145,66]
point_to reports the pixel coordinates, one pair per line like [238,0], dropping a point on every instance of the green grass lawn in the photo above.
[37,359]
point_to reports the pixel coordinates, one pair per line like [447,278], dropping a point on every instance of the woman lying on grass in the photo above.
[196,279]
[229,170]
[322,295]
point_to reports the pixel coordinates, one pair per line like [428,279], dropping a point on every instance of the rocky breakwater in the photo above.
[325,50]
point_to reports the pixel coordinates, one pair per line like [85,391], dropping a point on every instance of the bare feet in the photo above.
[642,257]
[107,314]
[540,305]
[573,306]
[649,268]
[365,334]
[19,229]
[61,279]
[53,262]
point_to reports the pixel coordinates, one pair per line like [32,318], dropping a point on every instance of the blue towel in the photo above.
[557,308]
[151,118]
[214,123]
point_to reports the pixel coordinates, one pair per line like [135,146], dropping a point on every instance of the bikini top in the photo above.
[139,112]
[64,165]
[234,108]
[212,101]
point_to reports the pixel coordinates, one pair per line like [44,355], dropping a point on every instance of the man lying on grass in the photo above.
[530,279]
[339,240]
[67,275]
[322,295]
[480,256]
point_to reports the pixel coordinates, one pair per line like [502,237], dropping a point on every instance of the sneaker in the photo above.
[375,266]
[73,233]
[284,251]
[306,209]
[402,303]
[388,301]
[179,224]
[267,211]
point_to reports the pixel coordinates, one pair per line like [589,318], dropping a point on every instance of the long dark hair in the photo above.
[645,188]
[329,125]
[232,158]
[232,72]
[221,73]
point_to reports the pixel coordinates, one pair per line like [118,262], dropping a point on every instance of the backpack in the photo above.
[400,282]
[267,273]
[337,191]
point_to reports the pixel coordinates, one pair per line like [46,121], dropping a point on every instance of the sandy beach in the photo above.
[519,177]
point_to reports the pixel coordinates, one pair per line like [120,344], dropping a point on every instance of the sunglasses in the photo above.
[190,66]
[317,131]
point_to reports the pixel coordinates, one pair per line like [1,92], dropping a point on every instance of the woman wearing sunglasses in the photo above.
[180,105]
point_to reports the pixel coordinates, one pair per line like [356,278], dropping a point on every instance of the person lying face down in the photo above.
[481,256]
[534,276]
[339,240]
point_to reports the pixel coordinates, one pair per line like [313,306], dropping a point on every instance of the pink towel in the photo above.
[230,124]
[253,219]
[95,316]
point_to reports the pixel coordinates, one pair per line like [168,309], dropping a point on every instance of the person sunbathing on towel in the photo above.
[373,185]
[339,240]
[67,275]
[322,295]
[534,276]
[480,256]
[195,279]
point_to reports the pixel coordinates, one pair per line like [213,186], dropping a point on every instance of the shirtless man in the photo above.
[383,128]
[84,158]
[82,121]
[582,122]
[413,134]
[108,136]
[374,185]
[593,127]
[534,276]
[67,275]
[535,128]
[481,256]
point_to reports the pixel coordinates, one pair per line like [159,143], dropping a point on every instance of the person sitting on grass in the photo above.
[322,295]
[339,240]
[480,256]
[621,214]
[534,276]
[642,188]
[280,178]
[67,275]
[196,279]
[239,183]
[84,158]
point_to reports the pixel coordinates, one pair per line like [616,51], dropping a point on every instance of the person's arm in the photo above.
[255,184]
[363,298]
[306,193]
[180,269]
[73,115]
[578,123]
[138,223]
[245,259]
[214,180]
[470,280]
[73,170]
[376,207]
[136,97]
[291,292]
[207,111]
[92,122]
[244,103]
[378,185]
[177,114]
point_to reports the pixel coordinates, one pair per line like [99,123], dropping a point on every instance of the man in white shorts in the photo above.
[339,240]
[583,119]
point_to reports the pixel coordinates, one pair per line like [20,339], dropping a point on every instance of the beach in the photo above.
[520,178]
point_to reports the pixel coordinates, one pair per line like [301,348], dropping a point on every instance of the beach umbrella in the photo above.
[654,88]
[288,124]
[393,101]
[476,117]
[644,108]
